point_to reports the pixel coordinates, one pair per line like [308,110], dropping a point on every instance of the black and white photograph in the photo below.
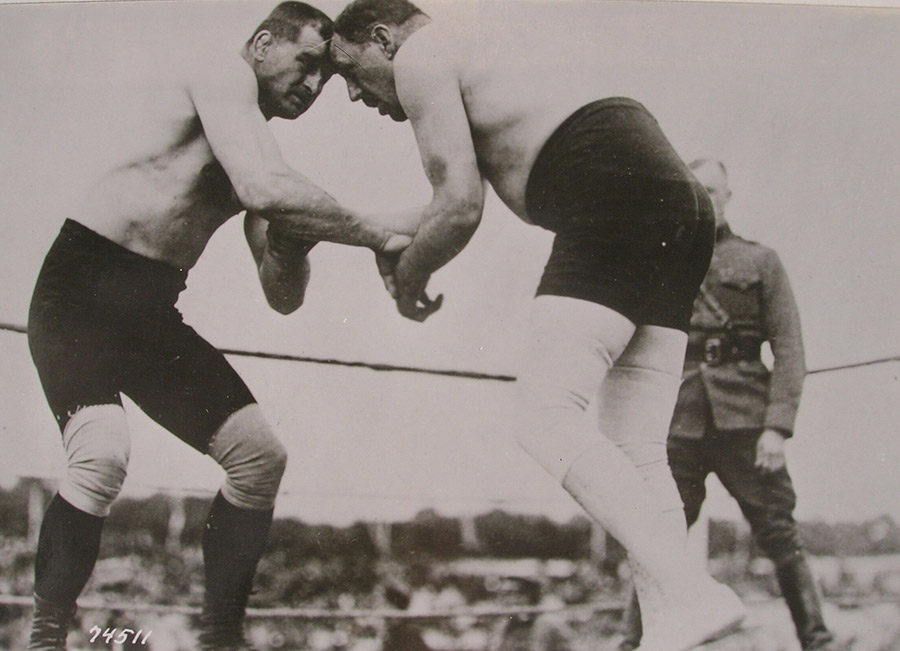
[449,325]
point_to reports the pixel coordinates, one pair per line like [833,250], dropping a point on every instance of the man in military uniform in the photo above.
[733,415]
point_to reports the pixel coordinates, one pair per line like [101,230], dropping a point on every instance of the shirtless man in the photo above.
[103,319]
[634,236]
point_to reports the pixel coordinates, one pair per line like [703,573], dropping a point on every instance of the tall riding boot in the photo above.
[798,585]
[49,625]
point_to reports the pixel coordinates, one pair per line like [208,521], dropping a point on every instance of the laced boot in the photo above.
[50,625]
[222,629]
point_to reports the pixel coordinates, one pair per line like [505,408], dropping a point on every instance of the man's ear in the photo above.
[382,35]
[261,44]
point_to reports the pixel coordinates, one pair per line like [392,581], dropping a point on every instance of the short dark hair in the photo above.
[694,164]
[288,19]
[356,20]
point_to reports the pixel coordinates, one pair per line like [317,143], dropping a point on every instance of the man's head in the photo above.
[714,177]
[289,54]
[367,35]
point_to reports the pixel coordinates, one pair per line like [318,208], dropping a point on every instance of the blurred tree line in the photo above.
[314,564]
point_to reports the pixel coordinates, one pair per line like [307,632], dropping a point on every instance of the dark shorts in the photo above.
[634,229]
[103,322]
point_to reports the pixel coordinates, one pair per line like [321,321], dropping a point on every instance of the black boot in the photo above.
[631,624]
[49,625]
[798,585]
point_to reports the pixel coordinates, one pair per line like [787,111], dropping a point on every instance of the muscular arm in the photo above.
[226,101]
[431,98]
[282,265]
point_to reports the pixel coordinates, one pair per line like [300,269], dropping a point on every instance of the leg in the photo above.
[97,447]
[635,407]
[573,345]
[189,388]
[238,524]
[689,470]
[687,459]
[767,501]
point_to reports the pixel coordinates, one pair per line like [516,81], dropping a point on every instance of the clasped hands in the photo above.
[405,284]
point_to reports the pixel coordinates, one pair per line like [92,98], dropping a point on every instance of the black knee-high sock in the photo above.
[233,542]
[67,551]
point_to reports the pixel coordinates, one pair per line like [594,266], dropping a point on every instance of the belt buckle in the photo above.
[712,351]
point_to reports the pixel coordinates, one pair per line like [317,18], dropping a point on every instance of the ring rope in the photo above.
[471,375]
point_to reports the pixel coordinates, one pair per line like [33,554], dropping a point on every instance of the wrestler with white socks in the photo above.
[634,233]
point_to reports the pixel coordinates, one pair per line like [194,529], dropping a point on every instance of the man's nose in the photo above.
[313,83]
[354,91]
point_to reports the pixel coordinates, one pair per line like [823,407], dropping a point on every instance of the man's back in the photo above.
[518,85]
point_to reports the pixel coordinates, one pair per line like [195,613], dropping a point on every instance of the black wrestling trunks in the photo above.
[634,229]
[103,322]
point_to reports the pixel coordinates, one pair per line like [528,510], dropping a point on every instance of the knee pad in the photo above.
[252,457]
[97,448]
[635,410]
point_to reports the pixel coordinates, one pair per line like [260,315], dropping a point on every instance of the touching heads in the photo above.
[367,35]
[714,177]
[289,55]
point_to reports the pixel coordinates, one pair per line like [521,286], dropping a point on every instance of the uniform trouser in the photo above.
[767,499]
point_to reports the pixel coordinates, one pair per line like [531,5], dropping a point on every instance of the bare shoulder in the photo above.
[428,48]
[222,73]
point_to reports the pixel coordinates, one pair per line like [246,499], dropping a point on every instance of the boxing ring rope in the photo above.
[609,606]
[472,375]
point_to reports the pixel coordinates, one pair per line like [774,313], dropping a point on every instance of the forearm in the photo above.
[444,232]
[310,213]
[405,222]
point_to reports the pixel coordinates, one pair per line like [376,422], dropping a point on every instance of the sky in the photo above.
[799,101]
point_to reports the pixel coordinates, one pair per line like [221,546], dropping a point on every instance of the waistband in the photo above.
[81,258]
[600,105]
[91,241]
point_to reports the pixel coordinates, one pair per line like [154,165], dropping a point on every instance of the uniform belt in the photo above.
[724,348]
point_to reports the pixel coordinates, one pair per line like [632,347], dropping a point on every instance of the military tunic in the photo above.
[750,285]
[728,396]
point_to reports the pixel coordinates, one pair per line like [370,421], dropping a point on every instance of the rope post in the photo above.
[598,544]
[469,533]
[381,537]
[177,520]
[35,512]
